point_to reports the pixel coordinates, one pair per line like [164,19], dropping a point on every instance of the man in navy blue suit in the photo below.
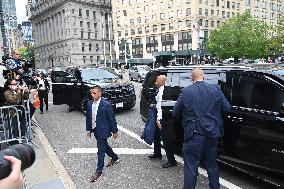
[200,106]
[100,120]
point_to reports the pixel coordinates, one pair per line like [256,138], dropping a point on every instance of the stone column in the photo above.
[159,43]
[175,47]
[144,47]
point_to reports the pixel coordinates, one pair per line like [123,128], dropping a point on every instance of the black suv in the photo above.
[254,129]
[72,87]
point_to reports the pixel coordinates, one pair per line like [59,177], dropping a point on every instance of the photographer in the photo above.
[15,95]
[15,179]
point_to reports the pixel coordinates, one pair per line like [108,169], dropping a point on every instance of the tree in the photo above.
[27,53]
[276,42]
[242,36]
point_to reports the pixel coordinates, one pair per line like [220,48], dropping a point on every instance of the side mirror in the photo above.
[281,110]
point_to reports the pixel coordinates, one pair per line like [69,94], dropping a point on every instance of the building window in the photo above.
[89,35]
[206,12]
[154,28]
[73,11]
[84,59]
[82,34]
[80,12]
[147,29]
[95,25]
[91,59]
[228,4]
[212,24]
[200,1]
[139,30]
[97,47]
[179,13]
[90,47]
[170,4]
[132,31]
[89,25]
[88,13]
[139,20]
[126,33]
[81,24]
[200,11]
[163,27]
[83,47]
[212,12]
[98,59]
[162,16]
[131,21]
[171,26]
[94,14]
[188,23]
[188,12]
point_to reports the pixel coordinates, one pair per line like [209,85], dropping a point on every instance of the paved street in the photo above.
[66,134]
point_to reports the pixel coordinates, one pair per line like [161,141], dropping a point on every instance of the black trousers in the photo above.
[43,95]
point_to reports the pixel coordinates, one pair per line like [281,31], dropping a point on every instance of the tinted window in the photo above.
[144,69]
[258,93]
[97,74]
[267,96]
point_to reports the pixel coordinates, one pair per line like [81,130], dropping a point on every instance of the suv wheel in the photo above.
[140,79]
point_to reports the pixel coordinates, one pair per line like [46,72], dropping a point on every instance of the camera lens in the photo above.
[23,152]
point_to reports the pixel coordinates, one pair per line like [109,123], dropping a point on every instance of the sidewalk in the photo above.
[47,172]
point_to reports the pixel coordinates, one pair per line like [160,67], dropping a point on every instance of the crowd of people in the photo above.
[20,86]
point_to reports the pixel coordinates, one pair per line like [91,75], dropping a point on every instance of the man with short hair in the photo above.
[100,120]
[200,107]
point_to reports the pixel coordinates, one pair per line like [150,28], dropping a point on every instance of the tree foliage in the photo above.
[242,36]
[27,53]
[276,42]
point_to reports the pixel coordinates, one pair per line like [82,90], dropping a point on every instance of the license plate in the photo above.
[119,105]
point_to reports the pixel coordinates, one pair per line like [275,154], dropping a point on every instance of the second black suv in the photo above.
[254,129]
[72,87]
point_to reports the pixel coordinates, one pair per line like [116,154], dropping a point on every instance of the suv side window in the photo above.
[267,96]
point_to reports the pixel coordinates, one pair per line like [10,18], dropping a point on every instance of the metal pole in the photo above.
[104,39]
[109,39]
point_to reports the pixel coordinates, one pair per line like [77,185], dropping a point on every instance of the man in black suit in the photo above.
[201,105]
[100,120]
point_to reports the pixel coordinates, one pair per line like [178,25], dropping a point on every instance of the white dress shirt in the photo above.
[95,108]
[41,84]
[159,97]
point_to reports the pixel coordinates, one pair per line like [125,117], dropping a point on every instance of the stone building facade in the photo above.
[166,25]
[71,32]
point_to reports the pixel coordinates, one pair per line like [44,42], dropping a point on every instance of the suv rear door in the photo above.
[255,130]
[65,88]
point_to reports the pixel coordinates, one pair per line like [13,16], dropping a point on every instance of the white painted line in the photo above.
[116,150]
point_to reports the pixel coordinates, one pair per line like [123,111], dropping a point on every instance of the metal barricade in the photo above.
[15,127]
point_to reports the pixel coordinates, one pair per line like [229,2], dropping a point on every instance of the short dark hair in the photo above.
[98,88]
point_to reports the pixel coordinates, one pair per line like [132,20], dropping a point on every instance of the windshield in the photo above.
[144,69]
[97,74]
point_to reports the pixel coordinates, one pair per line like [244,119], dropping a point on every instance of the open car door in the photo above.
[66,89]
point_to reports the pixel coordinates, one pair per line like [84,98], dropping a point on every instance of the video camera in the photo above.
[23,152]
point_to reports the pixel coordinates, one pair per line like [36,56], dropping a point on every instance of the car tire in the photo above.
[131,79]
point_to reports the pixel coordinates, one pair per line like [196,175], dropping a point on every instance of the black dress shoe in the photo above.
[168,164]
[95,177]
[155,156]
